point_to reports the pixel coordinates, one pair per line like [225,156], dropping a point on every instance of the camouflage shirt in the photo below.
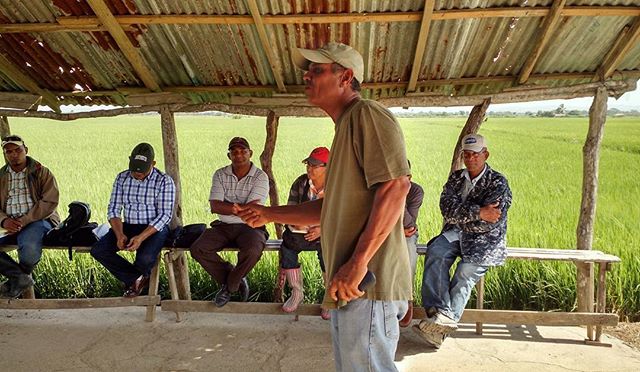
[481,242]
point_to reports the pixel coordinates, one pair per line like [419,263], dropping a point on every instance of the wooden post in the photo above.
[5,130]
[471,126]
[170,147]
[265,162]
[584,231]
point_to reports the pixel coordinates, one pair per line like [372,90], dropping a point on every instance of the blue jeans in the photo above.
[106,251]
[448,295]
[412,244]
[365,334]
[29,241]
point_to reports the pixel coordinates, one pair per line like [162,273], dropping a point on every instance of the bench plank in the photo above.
[78,303]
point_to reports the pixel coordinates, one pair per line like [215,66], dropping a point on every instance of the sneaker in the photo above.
[222,297]
[434,339]
[439,323]
[19,285]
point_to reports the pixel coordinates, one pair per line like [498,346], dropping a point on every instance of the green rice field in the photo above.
[541,157]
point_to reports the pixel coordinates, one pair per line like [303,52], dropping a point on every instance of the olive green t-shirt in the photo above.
[368,149]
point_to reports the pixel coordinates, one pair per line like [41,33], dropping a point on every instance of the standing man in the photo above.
[410,223]
[28,200]
[474,205]
[360,215]
[238,183]
[145,196]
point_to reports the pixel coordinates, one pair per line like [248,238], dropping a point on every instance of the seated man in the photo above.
[474,205]
[309,186]
[28,200]
[238,183]
[410,223]
[147,197]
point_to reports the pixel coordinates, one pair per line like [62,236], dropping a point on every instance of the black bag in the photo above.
[184,236]
[75,230]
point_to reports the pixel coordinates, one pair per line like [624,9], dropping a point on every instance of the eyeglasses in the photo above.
[309,165]
[472,154]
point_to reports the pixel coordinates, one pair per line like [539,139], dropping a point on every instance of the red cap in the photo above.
[319,155]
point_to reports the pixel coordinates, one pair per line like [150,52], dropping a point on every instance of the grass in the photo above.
[541,157]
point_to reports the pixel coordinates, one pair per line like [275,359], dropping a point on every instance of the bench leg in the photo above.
[602,294]
[479,302]
[171,278]
[154,282]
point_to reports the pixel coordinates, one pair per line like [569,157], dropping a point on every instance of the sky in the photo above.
[628,101]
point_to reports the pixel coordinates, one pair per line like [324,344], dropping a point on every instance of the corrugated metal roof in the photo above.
[91,64]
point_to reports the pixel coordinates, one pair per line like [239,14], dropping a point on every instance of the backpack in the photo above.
[184,236]
[75,230]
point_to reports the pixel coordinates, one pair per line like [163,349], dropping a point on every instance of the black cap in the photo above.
[141,158]
[239,142]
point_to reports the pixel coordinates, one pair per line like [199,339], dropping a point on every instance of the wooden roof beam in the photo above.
[544,35]
[627,40]
[14,73]
[266,45]
[423,36]
[111,24]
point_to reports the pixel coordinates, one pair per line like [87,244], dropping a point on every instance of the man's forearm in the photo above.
[221,207]
[307,214]
[116,226]
[388,205]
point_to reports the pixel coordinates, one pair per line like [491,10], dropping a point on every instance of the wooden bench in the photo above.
[479,315]
[596,319]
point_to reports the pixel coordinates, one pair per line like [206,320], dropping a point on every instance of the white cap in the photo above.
[342,54]
[473,142]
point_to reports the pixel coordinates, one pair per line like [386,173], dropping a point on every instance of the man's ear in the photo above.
[229,155]
[250,153]
[486,155]
[26,150]
[347,76]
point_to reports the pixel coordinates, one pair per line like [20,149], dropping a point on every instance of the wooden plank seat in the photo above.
[478,315]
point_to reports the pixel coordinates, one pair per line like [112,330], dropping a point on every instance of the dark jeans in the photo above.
[249,241]
[106,251]
[293,244]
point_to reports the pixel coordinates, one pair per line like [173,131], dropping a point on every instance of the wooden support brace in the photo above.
[471,126]
[266,163]
[154,282]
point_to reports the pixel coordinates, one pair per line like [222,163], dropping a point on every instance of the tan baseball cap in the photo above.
[473,142]
[342,54]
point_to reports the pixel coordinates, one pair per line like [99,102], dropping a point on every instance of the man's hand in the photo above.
[252,214]
[491,212]
[409,231]
[12,225]
[121,241]
[312,234]
[344,285]
[134,243]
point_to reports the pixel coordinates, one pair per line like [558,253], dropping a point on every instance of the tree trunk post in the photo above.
[265,162]
[584,231]
[171,163]
[471,126]
[5,130]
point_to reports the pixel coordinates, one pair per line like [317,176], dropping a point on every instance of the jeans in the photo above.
[292,245]
[29,241]
[365,334]
[412,242]
[106,251]
[448,295]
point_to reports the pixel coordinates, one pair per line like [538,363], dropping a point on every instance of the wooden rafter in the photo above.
[620,49]
[544,35]
[111,24]
[23,80]
[266,45]
[423,36]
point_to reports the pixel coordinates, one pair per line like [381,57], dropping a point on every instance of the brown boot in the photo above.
[408,317]
[278,295]
[294,278]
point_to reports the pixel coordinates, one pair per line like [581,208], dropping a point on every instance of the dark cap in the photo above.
[239,142]
[319,155]
[141,158]
[16,140]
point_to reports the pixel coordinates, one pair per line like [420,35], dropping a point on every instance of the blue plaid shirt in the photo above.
[149,201]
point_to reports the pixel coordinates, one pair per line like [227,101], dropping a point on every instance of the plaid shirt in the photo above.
[19,201]
[149,201]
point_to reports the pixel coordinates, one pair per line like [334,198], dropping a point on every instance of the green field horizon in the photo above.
[541,158]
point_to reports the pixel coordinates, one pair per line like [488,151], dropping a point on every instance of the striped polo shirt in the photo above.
[226,187]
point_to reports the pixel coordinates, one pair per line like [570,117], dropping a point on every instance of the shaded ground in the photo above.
[119,340]
[627,332]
